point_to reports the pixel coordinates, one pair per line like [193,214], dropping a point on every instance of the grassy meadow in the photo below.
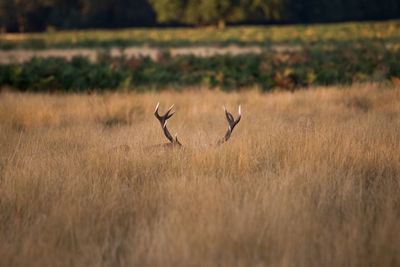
[339,33]
[309,178]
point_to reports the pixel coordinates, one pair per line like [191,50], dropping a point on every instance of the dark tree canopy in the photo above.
[205,12]
[37,15]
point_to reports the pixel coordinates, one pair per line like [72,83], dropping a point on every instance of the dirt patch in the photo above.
[22,55]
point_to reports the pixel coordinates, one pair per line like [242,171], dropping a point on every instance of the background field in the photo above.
[387,31]
[309,178]
[285,57]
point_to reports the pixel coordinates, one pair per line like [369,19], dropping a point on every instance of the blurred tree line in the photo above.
[38,15]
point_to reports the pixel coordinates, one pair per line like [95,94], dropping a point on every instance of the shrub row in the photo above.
[288,70]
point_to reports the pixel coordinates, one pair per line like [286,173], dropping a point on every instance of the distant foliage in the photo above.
[205,12]
[287,70]
[39,15]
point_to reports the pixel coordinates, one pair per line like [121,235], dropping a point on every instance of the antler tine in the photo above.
[239,115]
[176,140]
[229,116]
[232,122]
[167,115]
[163,121]
[156,111]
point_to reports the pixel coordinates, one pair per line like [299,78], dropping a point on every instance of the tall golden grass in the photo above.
[310,178]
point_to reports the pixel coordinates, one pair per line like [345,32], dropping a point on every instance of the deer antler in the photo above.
[232,123]
[163,121]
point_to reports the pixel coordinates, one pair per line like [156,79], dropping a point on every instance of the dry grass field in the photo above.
[310,178]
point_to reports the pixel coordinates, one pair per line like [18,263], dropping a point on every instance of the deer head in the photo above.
[173,141]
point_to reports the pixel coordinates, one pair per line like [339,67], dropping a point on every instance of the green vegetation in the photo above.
[305,55]
[205,12]
[39,15]
[289,70]
[331,34]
